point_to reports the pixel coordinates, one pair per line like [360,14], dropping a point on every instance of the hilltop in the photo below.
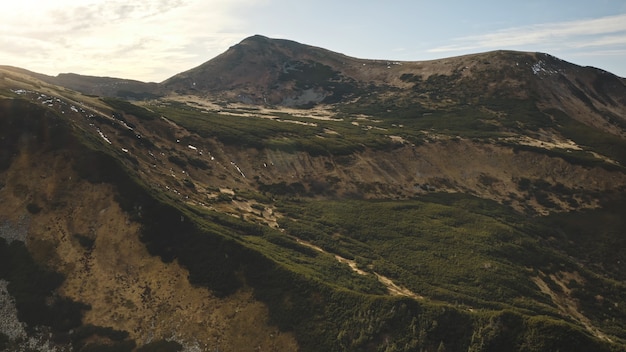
[285,197]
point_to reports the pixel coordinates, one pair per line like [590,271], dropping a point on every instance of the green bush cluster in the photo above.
[451,252]
[131,109]
[258,132]
[161,346]
[29,126]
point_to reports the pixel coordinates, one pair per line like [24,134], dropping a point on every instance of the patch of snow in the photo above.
[125,125]
[540,67]
[104,137]
[238,169]
[313,124]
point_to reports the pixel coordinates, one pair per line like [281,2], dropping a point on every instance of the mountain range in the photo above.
[285,197]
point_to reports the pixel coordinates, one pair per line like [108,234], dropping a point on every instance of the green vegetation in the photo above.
[592,139]
[483,119]
[198,163]
[575,157]
[494,118]
[468,251]
[448,252]
[131,95]
[108,339]
[131,109]
[312,74]
[486,120]
[544,192]
[33,208]
[259,132]
[85,241]
[4,341]
[161,346]
[29,126]
[601,249]
[177,160]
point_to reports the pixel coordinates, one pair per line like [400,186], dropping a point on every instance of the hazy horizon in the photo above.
[153,40]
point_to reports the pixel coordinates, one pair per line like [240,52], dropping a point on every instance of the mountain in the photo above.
[267,71]
[261,70]
[98,86]
[284,197]
[107,86]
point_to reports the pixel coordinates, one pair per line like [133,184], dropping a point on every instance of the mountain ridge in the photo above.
[282,47]
[264,71]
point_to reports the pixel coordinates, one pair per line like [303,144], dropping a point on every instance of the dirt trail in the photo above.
[393,288]
[566,304]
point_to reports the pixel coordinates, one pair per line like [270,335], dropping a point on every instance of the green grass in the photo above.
[130,108]
[447,252]
[257,132]
[593,139]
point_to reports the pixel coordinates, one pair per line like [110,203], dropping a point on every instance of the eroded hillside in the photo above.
[79,230]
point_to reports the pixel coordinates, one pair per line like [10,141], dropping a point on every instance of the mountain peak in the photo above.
[257,38]
[262,70]
[265,71]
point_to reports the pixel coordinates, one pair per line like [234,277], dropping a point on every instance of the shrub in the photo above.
[33,208]
[174,159]
[161,346]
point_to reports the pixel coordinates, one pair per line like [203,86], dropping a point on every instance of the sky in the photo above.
[152,40]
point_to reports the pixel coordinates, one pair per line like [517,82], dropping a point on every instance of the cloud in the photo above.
[147,40]
[599,32]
